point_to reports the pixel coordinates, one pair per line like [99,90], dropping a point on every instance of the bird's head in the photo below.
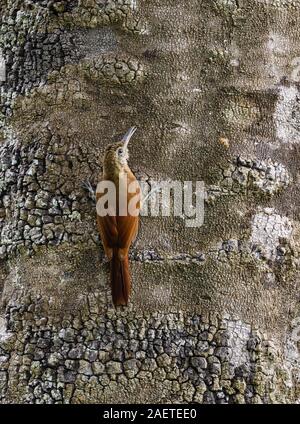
[116,154]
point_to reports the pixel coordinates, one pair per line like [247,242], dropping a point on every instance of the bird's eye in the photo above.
[120,151]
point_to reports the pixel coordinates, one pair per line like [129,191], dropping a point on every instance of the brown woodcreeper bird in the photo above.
[118,223]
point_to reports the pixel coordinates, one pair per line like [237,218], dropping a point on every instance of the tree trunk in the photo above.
[213,87]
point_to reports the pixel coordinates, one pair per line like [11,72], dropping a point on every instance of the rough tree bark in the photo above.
[213,87]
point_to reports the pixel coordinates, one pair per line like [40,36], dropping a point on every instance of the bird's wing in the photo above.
[118,231]
[128,225]
[107,227]
[127,230]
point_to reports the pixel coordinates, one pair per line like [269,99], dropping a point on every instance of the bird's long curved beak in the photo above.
[128,136]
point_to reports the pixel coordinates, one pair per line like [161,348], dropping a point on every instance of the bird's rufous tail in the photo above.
[120,279]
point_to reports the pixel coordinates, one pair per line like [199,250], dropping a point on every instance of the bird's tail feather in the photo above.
[120,279]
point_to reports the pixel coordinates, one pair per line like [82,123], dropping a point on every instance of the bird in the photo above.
[118,229]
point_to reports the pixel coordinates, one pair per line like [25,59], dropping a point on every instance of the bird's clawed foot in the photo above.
[89,188]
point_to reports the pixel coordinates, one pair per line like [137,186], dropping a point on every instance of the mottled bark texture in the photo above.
[213,87]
